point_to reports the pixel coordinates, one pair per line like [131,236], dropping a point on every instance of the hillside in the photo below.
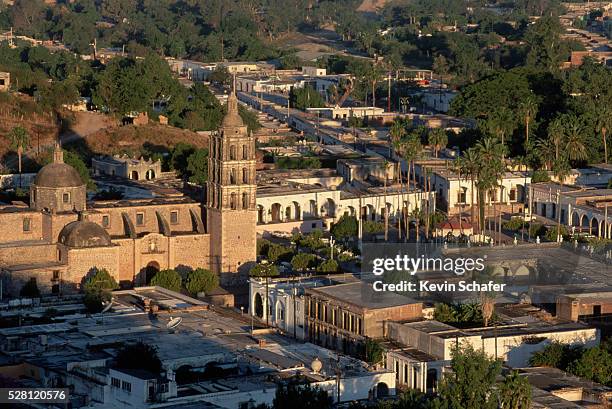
[136,140]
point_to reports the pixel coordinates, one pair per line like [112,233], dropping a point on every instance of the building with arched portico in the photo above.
[581,210]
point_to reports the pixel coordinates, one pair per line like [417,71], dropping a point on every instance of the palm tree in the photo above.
[546,151]
[385,167]
[575,147]
[603,124]
[417,214]
[469,165]
[437,139]
[491,169]
[529,109]
[20,140]
[501,124]
[555,134]
[396,132]
[265,270]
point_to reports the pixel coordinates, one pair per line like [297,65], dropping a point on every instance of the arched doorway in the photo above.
[276,212]
[260,214]
[134,175]
[150,270]
[382,390]
[432,379]
[328,209]
[258,305]
[150,174]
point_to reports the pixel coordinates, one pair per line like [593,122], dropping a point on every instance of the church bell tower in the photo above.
[231,190]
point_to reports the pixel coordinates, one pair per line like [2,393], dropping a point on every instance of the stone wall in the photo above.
[53,198]
[81,261]
[13,226]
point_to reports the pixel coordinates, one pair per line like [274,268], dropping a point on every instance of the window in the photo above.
[115,383]
[233,152]
[126,386]
[56,274]
[105,221]
[66,197]
[245,152]
[245,175]
[27,224]
[512,195]
[461,196]
[245,200]
[233,201]
[174,217]
[139,219]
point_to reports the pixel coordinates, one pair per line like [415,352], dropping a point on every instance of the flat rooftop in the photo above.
[362,295]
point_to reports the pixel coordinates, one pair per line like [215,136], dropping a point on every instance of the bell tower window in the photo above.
[66,197]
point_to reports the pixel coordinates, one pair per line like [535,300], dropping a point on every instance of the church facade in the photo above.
[60,237]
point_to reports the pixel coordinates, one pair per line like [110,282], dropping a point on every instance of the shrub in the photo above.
[168,279]
[30,290]
[201,281]
[514,224]
[329,266]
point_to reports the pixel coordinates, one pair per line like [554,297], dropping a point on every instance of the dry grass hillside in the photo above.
[371,6]
[18,110]
[133,139]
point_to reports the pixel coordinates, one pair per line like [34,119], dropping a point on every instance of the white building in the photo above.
[582,210]
[514,343]
[300,201]
[455,193]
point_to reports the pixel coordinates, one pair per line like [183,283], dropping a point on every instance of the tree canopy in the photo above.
[168,279]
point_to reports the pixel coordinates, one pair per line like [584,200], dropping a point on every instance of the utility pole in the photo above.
[389,93]
[559,237]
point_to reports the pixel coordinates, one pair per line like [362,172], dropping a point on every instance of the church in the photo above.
[60,237]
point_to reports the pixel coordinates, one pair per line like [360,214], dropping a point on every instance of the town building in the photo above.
[454,192]
[513,342]
[208,358]
[581,210]
[343,316]
[126,167]
[5,81]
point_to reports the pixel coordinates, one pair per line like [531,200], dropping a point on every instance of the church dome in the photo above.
[55,175]
[83,233]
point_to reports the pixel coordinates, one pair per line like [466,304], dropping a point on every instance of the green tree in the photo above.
[328,266]
[139,356]
[277,252]
[197,167]
[201,281]
[470,384]
[307,97]
[515,392]
[594,364]
[296,396]
[20,140]
[97,286]
[445,313]
[99,280]
[555,355]
[168,279]
[345,228]
[302,261]
[437,139]
[30,289]
[374,352]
